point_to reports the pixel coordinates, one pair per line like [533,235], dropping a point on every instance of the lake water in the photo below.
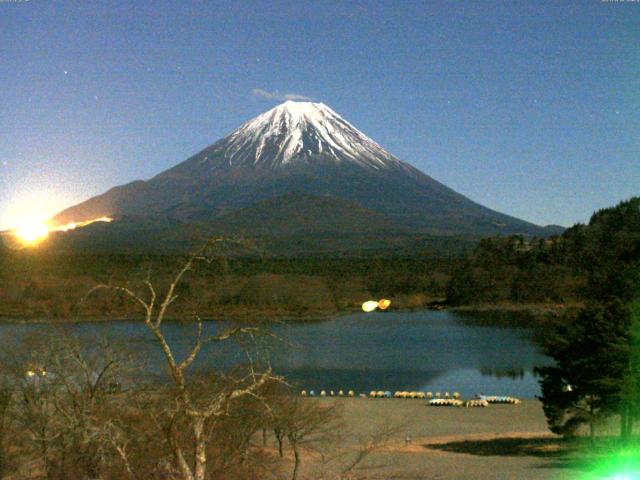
[415,351]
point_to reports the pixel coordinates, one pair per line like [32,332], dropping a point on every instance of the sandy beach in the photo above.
[495,442]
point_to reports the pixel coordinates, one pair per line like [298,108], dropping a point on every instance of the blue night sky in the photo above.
[530,108]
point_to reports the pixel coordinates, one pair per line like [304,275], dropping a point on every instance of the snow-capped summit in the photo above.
[297,161]
[300,131]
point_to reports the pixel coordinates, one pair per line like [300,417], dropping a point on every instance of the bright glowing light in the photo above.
[74,225]
[369,306]
[28,206]
[622,464]
[32,232]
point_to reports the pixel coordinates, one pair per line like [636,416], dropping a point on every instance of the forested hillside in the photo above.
[500,272]
[553,270]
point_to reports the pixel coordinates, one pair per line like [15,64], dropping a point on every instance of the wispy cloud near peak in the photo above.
[259,92]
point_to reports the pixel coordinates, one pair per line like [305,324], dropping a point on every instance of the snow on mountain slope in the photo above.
[300,131]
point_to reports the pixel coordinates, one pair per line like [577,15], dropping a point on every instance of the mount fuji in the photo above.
[298,168]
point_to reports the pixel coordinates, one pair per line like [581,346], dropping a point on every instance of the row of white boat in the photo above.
[437,400]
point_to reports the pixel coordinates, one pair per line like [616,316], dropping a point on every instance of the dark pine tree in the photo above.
[597,364]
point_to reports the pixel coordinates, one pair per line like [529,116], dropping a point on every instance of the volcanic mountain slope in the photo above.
[307,149]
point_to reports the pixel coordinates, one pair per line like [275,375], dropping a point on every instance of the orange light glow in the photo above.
[32,232]
[384,304]
[74,225]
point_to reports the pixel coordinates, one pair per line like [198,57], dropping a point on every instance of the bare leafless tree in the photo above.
[5,402]
[62,388]
[366,446]
[199,413]
[308,425]
[349,456]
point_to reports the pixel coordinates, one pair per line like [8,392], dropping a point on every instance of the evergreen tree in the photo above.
[591,355]
[597,357]
[630,394]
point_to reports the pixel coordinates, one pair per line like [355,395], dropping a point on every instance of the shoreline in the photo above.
[535,312]
[536,309]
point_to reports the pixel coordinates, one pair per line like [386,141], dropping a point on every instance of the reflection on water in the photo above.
[498,318]
[430,351]
[512,374]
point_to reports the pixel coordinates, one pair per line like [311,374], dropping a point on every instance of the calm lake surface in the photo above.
[429,351]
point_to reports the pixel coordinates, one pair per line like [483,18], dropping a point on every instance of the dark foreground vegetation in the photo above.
[87,408]
[84,409]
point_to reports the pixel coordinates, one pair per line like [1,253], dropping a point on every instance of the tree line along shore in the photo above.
[542,277]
